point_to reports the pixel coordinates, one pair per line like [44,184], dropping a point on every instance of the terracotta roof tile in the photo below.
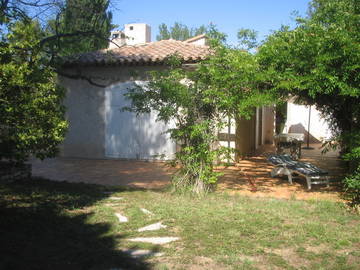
[143,54]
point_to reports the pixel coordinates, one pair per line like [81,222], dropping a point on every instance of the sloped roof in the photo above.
[152,53]
[195,38]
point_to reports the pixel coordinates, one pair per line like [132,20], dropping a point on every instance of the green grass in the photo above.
[49,225]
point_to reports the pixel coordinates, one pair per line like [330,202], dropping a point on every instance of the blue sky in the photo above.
[229,15]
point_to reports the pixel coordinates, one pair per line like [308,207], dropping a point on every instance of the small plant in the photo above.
[352,187]
[178,96]
[352,182]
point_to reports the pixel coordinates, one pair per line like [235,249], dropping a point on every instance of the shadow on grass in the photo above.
[44,225]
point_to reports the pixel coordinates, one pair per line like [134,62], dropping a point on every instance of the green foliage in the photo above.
[31,117]
[318,61]
[88,20]
[247,38]
[179,31]
[352,181]
[352,187]
[164,33]
[227,84]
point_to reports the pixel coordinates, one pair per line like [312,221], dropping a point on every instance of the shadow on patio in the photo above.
[263,185]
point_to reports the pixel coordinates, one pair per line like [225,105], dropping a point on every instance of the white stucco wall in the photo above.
[298,119]
[199,42]
[137,33]
[97,127]
[86,116]
[227,135]
[132,136]
[91,135]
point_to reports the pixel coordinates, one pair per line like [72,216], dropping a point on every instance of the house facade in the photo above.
[99,128]
[307,120]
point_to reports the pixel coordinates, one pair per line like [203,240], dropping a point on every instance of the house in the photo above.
[133,34]
[96,82]
[307,120]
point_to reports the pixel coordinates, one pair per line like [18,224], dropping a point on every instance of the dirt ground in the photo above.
[249,177]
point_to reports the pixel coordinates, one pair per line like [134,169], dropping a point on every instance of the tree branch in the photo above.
[73,34]
[65,35]
[80,77]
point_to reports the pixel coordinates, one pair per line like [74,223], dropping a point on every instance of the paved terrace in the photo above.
[254,180]
[257,169]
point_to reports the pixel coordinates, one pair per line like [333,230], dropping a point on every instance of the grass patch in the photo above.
[51,225]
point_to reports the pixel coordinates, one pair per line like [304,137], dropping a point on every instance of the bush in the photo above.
[352,187]
[31,112]
[352,182]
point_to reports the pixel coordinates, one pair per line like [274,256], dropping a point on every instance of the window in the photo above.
[115,35]
[131,27]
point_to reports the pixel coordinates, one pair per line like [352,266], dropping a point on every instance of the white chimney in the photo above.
[137,33]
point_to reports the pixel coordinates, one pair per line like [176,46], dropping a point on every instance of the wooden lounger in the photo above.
[284,165]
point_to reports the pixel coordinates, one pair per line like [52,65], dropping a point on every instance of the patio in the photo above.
[257,169]
[155,175]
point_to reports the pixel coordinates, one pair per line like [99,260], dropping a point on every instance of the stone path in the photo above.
[146,211]
[154,240]
[121,218]
[116,198]
[152,227]
[137,253]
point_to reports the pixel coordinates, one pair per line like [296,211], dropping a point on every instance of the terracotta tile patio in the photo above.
[153,175]
[257,169]
[104,171]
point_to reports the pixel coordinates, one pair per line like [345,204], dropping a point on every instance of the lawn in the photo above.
[53,225]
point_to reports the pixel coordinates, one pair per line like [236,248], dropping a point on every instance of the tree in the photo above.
[318,61]
[247,38]
[179,31]
[227,84]
[164,33]
[88,20]
[31,113]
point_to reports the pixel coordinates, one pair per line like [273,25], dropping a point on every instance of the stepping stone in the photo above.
[116,198]
[147,212]
[111,204]
[137,253]
[152,227]
[154,240]
[121,218]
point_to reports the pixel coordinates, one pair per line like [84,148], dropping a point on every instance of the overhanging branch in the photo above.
[80,77]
